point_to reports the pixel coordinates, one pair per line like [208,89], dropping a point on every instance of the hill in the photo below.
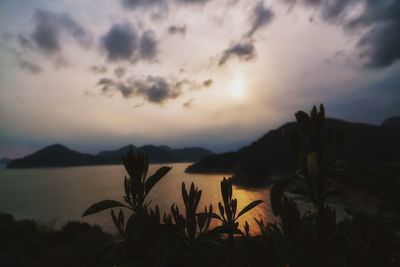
[364,144]
[53,156]
[60,156]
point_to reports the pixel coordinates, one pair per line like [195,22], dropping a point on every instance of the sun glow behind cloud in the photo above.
[238,88]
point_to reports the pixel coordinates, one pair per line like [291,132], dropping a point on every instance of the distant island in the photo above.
[58,155]
[365,144]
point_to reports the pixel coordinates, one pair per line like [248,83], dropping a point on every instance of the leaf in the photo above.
[117,222]
[152,180]
[277,190]
[103,205]
[216,216]
[185,195]
[221,210]
[304,121]
[249,207]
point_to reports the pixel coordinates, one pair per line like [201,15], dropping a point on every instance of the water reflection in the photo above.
[64,193]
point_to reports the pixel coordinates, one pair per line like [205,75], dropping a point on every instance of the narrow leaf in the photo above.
[152,180]
[103,205]
[276,194]
[249,207]
[216,216]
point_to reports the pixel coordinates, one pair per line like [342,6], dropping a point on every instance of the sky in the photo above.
[101,74]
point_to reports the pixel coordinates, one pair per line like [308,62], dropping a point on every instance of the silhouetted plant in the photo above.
[137,187]
[227,212]
[316,150]
[143,228]
[193,222]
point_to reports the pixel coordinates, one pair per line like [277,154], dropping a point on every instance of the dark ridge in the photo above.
[60,156]
[391,122]
[53,156]
[364,144]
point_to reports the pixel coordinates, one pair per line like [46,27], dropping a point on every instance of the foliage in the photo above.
[316,149]
[227,212]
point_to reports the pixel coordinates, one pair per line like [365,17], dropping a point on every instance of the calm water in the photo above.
[62,194]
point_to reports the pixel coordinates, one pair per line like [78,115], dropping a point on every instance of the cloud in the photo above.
[261,16]
[98,69]
[119,72]
[188,103]
[379,23]
[208,83]
[120,42]
[176,29]
[25,42]
[193,1]
[29,66]
[244,51]
[133,4]
[154,89]
[148,45]
[380,44]
[157,89]
[51,27]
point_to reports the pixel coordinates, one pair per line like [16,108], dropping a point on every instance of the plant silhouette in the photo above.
[227,212]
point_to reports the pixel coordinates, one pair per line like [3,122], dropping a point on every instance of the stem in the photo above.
[230,241]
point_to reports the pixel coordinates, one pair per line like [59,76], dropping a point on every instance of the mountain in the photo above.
[364,144]
[157,154]
[60,156]
[391,122]
[53,156]
[116,153]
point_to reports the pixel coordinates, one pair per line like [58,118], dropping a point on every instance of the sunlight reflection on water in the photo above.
[63,194]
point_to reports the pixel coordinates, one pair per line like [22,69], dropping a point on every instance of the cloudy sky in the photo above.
[99,74]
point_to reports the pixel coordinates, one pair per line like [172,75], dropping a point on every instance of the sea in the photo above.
[54,196]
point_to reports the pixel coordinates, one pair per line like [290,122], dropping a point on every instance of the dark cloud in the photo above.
[120,42]
[176,29]
[157,89]
[49,29]
[261,16]
[119,72]
[244,51]
[193,1]
[379,23]
[98,69]
[154,89]
[208,83]
[333,10]
[148,45]
[133,4]
[29,66]
[380,45]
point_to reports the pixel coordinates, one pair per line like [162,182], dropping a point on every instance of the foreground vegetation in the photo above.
[147,237]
